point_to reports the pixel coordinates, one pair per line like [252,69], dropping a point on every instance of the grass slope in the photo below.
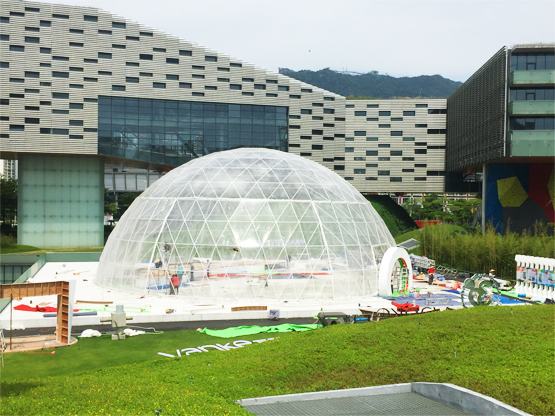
[18,248]
[508,357]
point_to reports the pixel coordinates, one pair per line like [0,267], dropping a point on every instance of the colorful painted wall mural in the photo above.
[518,195]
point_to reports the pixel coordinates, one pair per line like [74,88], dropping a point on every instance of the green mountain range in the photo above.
[375,85]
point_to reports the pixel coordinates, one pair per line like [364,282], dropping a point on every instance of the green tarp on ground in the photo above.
[256,329]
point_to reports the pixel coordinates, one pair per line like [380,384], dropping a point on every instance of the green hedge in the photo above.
[480,252]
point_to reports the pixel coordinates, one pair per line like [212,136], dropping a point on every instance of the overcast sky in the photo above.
[401,38]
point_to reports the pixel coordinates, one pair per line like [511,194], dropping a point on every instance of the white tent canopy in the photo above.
[245,224]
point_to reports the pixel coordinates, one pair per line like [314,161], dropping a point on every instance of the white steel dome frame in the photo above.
[248,223]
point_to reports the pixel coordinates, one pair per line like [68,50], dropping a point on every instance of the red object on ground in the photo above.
[425,223]
[28,308]
[403,307]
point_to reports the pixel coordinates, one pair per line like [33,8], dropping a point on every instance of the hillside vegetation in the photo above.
[508,356]
[375,85]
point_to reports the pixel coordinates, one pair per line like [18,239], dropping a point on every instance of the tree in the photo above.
[124,201]
[110,207]
[8,200]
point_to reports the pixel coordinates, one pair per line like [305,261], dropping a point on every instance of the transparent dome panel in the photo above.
[247,224]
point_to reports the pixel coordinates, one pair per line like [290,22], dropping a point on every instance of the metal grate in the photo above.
[384,404]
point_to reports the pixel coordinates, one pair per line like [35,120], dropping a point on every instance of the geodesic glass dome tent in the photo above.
[248,224]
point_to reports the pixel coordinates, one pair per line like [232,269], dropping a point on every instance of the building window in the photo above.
[159,85]
[235,86]
[372,105]
[172,77]
[132,79]
[104,55]
[371,178]
[118,87]
[384,126]
[420,151]
[32,9]
[531,94]
[383,158]
[147,34]
[198,67]
[384,145]
[17,127]
[405,158]
[396,118]
[532,61]
[396,153]
[185,85]
[172,60]
[283,88]
[90,61]
[308,90]
[118,25]
[59,74]
[437,131]
[360,132]
[45,23]
[197,94]
[384,113]
[383,173]
[78,86]
[17,48]
[360,171]
[408,139]
[104,32]
[62,95]
[360,158]
[437,111]
[421,125]
[90,18]
[371,153]
[132,64]
[420,165]
[360,113]
[75,69]
[317,147]
[87,79]
[223,79]
[371,139]
[271,81]
[259,86]
[60,131]
[211,58]
[145,74]
[32,39]
[60,16]
[329,111]
[248,93]
[76,106]
[198,76]
[29,120]
[349,149]
[294,96]
[371,165]
[421,105]
[420,179]
[145,57]
[222,69]
[396,133]
[409,113]
[60,58]
[408,170]
[45,50]
[104,73]
[532,123]
[135,38]
[338,167]
[435,173]
[318,132]
[395,179]
[75,122]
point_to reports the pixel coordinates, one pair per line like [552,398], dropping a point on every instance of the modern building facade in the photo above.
[82,89]
[8,169]
[501,123]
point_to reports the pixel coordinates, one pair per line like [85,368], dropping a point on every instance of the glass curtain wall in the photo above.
[173,132]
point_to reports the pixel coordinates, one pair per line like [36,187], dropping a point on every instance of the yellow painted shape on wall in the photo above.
[510,192]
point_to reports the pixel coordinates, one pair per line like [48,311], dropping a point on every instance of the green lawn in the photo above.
[508,357]
[415,233]
[18,248]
